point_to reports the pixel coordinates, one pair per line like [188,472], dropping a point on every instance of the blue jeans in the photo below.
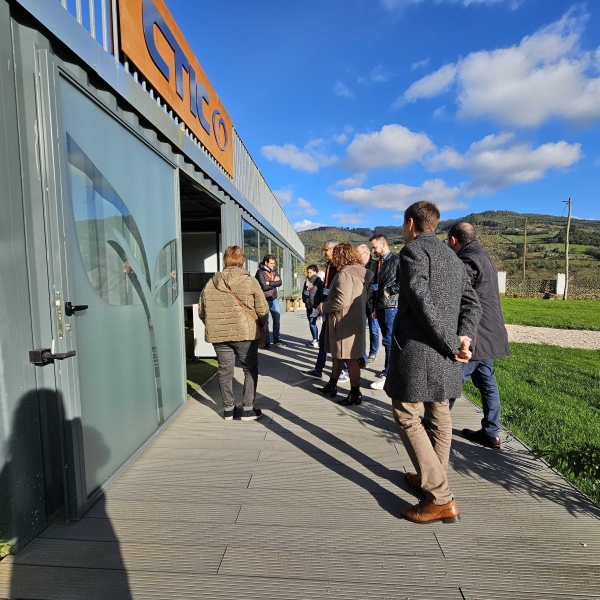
[276,315]
[312,322]
[483,376]
[373,335]
[385,318]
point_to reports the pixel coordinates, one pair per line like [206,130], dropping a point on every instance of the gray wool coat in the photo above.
[436,304]
[346,310]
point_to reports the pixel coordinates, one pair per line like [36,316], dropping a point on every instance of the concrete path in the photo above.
[567,338]
[305,504]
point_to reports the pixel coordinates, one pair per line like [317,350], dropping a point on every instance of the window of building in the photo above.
[251,248]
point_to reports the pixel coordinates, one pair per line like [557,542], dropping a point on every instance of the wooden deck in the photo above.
[305,504]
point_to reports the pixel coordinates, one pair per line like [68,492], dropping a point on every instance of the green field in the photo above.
[199,372]
[551,400]
[558,314]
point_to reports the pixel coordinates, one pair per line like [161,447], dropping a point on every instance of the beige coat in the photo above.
[346,310]
[224,318]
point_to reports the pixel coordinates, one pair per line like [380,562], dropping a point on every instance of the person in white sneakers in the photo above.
[385,298]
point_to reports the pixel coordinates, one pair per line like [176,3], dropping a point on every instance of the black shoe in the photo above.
[228,414]
[362,363]
[251,415]
[312,373]
[354,397]
[267,346]
[330,388]
[482,438]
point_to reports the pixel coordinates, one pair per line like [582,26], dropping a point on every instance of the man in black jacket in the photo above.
[270,280]
[386,286]
[492,339]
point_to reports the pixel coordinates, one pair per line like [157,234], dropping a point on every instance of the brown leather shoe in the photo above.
[426,512]
[482,438]
[412,479]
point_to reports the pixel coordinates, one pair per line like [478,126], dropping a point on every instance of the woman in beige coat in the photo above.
[346,319]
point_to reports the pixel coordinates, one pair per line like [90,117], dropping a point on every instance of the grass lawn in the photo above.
[199,372]
[570,314]
[551,400]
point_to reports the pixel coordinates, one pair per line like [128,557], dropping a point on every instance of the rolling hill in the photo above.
[502,234]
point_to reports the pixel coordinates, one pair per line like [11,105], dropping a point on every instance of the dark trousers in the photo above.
[385,318]
[322,356]
[373,335]
[312,322]
[483,376]
[276,316]
[247,352]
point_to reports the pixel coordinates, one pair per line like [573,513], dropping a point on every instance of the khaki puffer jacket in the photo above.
[224,318]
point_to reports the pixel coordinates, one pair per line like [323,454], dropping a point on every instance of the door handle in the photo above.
[70,310]
[44,356]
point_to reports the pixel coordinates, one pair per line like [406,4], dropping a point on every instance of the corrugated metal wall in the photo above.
[249,180]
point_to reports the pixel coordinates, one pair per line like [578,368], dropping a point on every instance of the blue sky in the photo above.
[354,109]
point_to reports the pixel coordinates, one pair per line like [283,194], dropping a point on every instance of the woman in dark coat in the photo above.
[346,319]
[312,296]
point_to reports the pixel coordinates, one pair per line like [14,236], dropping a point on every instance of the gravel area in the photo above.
[567,338]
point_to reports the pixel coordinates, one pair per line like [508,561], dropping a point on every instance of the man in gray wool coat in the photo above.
[438,314]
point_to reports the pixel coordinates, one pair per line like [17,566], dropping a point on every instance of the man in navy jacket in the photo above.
[492,339]
[270,280]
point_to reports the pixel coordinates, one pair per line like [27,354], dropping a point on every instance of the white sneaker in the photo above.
[378,383]
[344,376]
[315,344]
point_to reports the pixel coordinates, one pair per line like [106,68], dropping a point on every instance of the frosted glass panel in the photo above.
[122,241]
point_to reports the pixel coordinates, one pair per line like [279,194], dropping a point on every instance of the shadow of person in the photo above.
[62,562]
[517,471]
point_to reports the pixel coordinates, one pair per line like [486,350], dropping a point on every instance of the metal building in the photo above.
[122,181]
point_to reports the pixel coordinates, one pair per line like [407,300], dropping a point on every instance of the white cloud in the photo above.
[306,208]
[439,112]
[393,146]
[284,195]
[379,74]
[342,138]
[346,219]
[400,4]
[547,75]
[309,159]
[341,90]
[305,224]
[353,181]
[419,64]
[429,86]
[497,162]
[398,196]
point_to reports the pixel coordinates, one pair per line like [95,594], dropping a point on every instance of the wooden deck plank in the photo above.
[305,504]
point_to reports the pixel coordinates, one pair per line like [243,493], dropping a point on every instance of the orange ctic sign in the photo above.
[152,41]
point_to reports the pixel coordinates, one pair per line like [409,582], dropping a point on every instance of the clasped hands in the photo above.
[464,353]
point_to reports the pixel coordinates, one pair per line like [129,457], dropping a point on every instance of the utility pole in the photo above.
[569,202]
[524,247]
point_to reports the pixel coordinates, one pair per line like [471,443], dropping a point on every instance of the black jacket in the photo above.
[268,285]
[313,297]
[492,339]
[371,266]
[388,281]
[330,273]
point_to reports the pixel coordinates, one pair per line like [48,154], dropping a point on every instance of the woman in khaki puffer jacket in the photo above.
[234,329]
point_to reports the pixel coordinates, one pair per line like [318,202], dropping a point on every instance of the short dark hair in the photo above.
[463,232]
[267,258]
[312,268]
[425,215]
[379,236]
